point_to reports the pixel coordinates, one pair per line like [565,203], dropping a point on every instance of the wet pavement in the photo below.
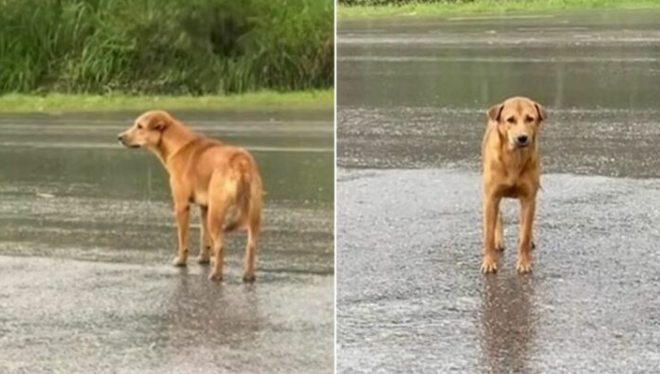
[88,237]
[412,96]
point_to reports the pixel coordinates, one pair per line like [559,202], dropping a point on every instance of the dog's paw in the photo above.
[216,277]
[249,278]
[489,265]
[203,260]
[179,261]
[524,266]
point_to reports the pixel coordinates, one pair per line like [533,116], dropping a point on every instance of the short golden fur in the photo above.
[221,179]
[511,168]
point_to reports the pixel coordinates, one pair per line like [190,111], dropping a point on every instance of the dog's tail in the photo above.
[249,196]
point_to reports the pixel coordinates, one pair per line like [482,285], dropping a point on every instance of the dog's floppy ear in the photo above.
[159,121]
[161,125]
[541,110]
[495,111]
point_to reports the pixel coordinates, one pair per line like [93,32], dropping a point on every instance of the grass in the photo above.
[256,101]
[482,7]
[165,47]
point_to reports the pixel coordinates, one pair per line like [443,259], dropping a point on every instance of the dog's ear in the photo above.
[541,110]
[161,125]
[495,111]
[159,121]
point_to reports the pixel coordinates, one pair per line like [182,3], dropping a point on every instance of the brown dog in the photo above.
[221,179]
[511,168]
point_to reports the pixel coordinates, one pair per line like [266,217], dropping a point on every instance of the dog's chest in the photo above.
[517,181]
[515,187]
[511,190]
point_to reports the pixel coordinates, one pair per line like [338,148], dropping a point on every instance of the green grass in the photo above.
[256,101]
[165,47]
[483,7]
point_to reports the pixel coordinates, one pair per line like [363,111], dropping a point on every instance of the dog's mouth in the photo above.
[129,145]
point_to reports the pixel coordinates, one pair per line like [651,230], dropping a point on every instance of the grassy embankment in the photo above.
[256,101]
[364,9]
[63,55]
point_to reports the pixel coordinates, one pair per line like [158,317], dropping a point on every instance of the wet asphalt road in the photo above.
[88,237]
[412,98]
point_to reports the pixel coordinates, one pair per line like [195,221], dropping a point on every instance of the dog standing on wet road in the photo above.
[512,169]
[222,180]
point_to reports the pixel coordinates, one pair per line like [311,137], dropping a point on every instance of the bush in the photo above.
[165,46]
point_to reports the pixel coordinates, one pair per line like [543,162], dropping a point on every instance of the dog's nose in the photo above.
[522,139]
[120,137]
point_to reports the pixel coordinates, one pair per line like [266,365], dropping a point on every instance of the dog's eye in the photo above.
[529,119]
[511,120]
[139,127]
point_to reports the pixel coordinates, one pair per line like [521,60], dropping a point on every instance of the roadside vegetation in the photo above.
[165,47]
[360,9]
[253,101]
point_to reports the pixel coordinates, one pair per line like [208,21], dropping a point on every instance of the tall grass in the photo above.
[400,2]
[165,46]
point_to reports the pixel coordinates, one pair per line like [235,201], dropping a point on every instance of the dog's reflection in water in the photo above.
[507,323]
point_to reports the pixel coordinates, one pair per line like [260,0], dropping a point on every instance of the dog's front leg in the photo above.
[499,232]
[527,209]
[490,209]
[182,215]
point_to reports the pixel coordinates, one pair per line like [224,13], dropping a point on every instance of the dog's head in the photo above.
[147,130]
[519,120]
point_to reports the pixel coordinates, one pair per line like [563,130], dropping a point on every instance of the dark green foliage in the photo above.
[165,46]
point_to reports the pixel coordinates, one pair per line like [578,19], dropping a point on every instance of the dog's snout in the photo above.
[522,139]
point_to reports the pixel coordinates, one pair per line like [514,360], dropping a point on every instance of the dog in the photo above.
[511,169]
[221,179]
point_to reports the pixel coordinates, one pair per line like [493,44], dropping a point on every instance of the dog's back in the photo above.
[217,169]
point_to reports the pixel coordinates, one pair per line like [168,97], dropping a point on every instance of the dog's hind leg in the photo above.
[249,200]
[216,216]
[499,232]
[251,249]
[253,214]
[222,193]
[204,256]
